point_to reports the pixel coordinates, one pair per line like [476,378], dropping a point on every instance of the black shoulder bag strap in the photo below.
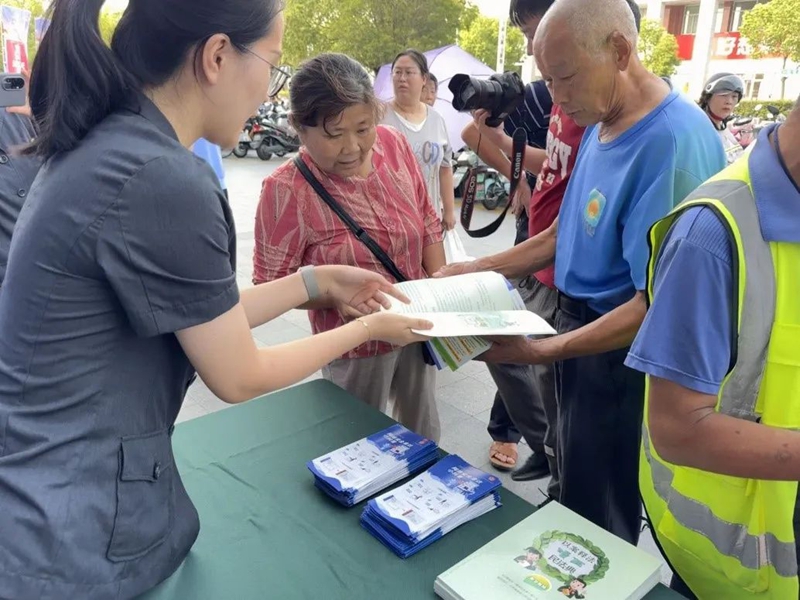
[357,231]
[354,227]
[520,139]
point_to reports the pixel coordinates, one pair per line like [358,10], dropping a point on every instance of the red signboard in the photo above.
[16,56]
[729,46]
[685,46]
[724,46]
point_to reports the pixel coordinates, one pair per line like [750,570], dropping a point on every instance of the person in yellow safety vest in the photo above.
[721,348]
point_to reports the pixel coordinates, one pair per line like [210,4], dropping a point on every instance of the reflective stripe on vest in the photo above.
[729,539]
[696,505]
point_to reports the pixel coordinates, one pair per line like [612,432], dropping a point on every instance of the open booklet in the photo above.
[463,310]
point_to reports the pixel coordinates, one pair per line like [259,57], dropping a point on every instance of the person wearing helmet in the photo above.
[720,96]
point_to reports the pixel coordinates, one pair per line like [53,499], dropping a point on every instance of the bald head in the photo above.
[586,52]
[590,23]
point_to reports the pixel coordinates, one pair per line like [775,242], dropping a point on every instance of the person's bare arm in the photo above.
[530,256]
[498,148]
[488,152]
[687,431]
[433,258]
[612,331]
[339,287]
[448,195]
[226,357]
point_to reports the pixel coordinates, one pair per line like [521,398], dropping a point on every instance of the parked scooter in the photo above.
[277,141]
[251,138]
[491,189]
[775,116]
[264,136]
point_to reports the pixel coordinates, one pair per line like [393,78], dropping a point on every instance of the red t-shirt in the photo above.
[563,140]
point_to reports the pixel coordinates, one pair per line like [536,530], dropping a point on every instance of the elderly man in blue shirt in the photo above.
[646,147]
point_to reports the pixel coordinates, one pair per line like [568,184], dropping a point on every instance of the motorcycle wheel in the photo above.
[227,153]
[280,154]
[262,153]
[240,151]
[492,197]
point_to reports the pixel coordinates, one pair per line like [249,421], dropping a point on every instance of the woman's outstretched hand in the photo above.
[396,329]
[356,291]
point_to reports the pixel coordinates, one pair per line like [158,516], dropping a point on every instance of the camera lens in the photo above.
[500,94]
[13,83]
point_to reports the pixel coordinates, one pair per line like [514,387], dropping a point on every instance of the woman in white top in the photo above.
[425,130]
[720,96]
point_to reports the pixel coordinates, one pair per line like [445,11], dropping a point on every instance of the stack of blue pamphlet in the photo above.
[364,468]
[452,492]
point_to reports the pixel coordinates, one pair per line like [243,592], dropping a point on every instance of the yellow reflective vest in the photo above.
[731,538]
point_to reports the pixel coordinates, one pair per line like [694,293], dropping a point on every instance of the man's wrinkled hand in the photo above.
[515,350]
[456,269]
[522,198]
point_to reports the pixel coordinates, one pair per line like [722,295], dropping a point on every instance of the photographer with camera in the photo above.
[524,406]
[646,148]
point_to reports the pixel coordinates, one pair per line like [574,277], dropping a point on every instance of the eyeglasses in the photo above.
[398,73]
[278,75]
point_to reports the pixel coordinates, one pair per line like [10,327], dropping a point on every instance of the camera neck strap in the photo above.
[520,143]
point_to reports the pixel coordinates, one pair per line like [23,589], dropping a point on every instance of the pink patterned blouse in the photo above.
[294,227]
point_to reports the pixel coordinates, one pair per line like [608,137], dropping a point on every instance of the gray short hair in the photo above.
[593,21]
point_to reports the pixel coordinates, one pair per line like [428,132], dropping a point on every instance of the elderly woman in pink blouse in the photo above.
[371,172]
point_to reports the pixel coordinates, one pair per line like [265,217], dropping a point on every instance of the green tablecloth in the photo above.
[266,532]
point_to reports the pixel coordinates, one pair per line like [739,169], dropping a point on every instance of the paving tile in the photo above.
[460,439]
[449,415]
[447,377]
[468,395]
[190,411]
[485,416]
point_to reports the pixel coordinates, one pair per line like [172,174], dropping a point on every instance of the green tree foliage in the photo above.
[108,23]
[371,31]
[658,49]
[480,40]
[773,29]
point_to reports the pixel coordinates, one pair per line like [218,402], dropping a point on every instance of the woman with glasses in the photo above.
[371,172]
[720,96]
[121,286]
[425,129]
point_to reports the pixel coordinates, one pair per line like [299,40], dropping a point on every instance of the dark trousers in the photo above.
[525,403]
[601,402]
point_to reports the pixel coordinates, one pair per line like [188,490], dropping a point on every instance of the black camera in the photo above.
[500,94]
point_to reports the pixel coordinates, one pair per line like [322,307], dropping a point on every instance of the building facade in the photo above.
[709,42]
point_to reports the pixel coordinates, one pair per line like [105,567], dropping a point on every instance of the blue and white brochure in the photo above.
[362,469]
[412,516]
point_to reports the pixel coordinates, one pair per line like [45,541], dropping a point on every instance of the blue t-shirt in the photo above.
[687,335]
[212,154]
[619,189]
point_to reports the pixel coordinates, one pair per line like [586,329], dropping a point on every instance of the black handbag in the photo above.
[358,232]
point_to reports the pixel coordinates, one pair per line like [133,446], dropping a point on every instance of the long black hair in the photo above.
[77,80]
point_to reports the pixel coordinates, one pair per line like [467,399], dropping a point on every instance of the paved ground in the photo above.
[464,398]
